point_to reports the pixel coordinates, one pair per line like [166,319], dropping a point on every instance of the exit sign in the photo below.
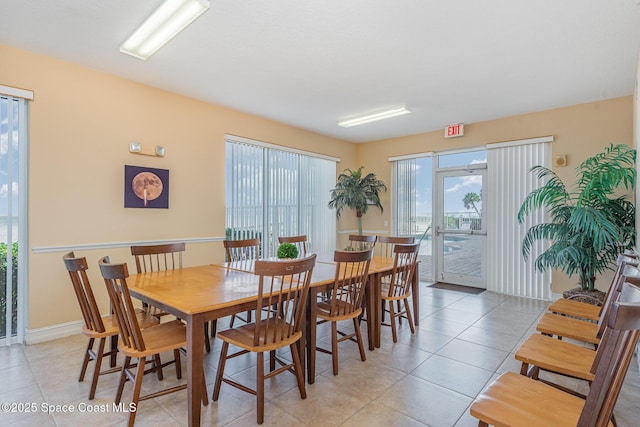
[452,131]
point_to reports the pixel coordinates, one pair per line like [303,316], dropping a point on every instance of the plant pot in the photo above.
[594,297]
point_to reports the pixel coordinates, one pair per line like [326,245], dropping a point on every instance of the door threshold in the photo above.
[457,288]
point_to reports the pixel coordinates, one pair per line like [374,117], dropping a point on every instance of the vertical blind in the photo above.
[13,238]
[509,181]
[405,197]
[272,193]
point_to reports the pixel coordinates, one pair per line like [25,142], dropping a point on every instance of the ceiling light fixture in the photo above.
[164,24]
[392,112]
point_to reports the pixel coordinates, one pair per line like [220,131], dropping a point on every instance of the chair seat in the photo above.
[159,338]
[242,336]
[515,400]
[576,308]
[562,326]
[561,357]
[324,311]
[111,327]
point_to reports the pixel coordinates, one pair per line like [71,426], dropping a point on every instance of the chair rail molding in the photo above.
[109,245]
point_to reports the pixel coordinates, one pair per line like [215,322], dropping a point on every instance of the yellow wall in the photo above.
[580,131]
[82,120]
[81,124]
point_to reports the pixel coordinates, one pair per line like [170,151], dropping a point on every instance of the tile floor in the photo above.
[429,378]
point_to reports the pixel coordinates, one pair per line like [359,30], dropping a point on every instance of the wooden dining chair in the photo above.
[241,254]
[385,244]
[284,286]
[238,251]
[95,326]
[515,400]
[581,330]
[163,257]
[138,343]
[344,301]
[544,353]
[299,241]
[384,248]
[158,257]
[398,288]
[585,310]
[359,242]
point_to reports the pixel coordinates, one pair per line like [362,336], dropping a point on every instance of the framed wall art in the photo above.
[146,187]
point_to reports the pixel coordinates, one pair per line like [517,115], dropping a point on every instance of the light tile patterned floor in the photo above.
[429,378]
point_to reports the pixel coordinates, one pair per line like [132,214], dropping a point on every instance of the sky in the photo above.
[455,188]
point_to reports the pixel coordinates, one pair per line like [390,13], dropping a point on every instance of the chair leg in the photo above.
[207,342]
[409,315]
[113,347]
[136,390]
[176,357]
[356,326]
[221,363]
[260,387]
[392,320]
[123,378]
[334,346]
[298,370]
[96,368]
[214,327]
[158,364]
[233,319]
[272,360]
[205,393]
[87,358]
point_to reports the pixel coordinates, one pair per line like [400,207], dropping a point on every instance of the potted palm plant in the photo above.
[356,192]
[589,224]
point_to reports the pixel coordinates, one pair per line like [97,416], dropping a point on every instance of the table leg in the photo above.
[311,335]
[415,295]
[195,348]
[370,310]
[302,343]
[378,309]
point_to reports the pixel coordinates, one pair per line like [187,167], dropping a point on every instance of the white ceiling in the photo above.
[311,63]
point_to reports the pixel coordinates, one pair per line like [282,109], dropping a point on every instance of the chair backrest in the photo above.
[242,250]
[404,267]
[625,269]
[385,244]
[299,241]
[158,257]
[612,358]
[284,286]
[77,268]
[362,243]
[115,279]
[352,270]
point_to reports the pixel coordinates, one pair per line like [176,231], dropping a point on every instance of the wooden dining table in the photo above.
[203,293]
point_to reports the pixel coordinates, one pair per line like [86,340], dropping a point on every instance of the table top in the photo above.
[200,289]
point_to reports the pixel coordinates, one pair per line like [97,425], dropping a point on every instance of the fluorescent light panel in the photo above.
[164,24]
[392,112]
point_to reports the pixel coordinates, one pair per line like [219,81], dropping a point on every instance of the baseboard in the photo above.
[35,336]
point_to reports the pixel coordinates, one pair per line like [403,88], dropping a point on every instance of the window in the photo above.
[272,191]
[13,155]
[413,196]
